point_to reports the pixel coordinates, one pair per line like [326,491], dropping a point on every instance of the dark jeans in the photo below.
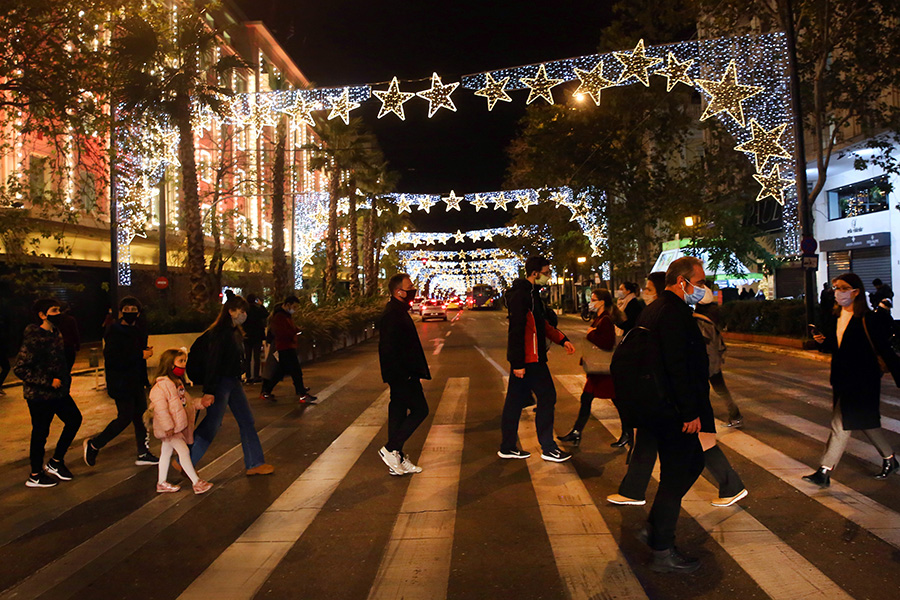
[42,413]
[4,366]
[130,407]
[680,464]
[252,358]
[288,364]
[229,393]
[718,384]
[538,381]
[406,411]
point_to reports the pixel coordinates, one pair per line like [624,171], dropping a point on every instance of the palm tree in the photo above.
[374,181]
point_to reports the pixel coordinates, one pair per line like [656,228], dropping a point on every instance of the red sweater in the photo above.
[284,330]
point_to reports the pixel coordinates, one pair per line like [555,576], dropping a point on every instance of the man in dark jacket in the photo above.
[125,354]
[254,332]
[68,327]
[683,368]
[526,352]
[403,366]
[882,291]
[283,334]
[41,365]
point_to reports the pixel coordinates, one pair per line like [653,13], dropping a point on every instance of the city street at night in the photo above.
[332,523]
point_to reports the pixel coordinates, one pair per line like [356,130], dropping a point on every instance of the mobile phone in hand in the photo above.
[813,330]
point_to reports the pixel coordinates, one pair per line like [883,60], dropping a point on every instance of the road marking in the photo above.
[493,362]
[438,346]
[416,563]
[126,536]
[245,565]
[776,567]
[449,331]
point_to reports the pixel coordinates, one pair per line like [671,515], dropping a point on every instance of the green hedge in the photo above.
[774,317]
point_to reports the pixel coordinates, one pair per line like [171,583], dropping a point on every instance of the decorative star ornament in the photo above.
[438,95]
[403,205]
[452,201]
[727,95]
[261,114]
[500,202]
[773,185]
[487,236]
[479,202]
[473,235]
[392,100]
[459,236]
[592,82]
[636,64]
[342,107]
[675,72]
[540,85]
[301,111]
[493,90]
[764,145]
[523,201]
[425,203]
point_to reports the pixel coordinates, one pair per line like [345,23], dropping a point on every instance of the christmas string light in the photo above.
[341,107]
[493,91]
[392,100]
[636,64]
[540,85]
[764,145]
[438,95]
[592,82]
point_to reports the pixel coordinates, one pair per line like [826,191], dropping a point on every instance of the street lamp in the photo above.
[582,260]
[691,220]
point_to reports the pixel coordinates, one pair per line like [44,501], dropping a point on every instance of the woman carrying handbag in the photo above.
[860,354]
[599,346]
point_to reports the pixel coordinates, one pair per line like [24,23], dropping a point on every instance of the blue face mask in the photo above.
[694,297]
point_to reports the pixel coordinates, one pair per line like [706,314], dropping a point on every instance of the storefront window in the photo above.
[859,199]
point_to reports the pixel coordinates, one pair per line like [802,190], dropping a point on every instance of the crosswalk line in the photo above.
[776,567]
[416,564]
[245,565]
[817,384]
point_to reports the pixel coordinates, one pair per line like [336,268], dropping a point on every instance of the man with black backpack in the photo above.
[661,375]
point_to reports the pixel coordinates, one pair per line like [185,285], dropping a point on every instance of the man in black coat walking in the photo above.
[403,366]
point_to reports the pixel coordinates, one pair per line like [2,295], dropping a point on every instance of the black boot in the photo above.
[573,437]
[622,441]
[820,477]
[673,561]
[888,466]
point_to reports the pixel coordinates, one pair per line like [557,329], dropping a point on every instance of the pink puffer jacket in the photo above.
[168,411]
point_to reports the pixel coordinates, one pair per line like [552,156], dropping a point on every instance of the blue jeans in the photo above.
[229,392]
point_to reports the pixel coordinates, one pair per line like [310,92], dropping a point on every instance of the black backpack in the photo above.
[196,364]
[638,378]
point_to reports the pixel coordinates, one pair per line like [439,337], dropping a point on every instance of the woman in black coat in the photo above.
[855,335]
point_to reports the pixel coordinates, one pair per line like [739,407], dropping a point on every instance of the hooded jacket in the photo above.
[526,318]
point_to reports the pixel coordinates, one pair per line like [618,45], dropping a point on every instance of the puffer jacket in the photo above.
[173,409]
[42,359]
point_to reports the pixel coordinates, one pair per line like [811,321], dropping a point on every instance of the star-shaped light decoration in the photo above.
[592,82]
[301,111]
[392,100]
[500,202]
[559,199]
[261,114]
[539,86]
[675,72]
[727,95]
[452,201]
[438,95]
[479,202]
[473,236]
[764,145]
[486,236]
[342,107]
[493,90]
[425,203]
[773,185]
[404,205]
[636,64]
[523,201]
[201,119]
[459,236]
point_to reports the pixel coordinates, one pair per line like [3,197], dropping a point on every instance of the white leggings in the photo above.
[184,458]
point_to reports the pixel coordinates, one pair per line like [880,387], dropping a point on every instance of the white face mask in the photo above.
[844,297]
[619,294]
[648,297]
[595,306]
[708,297]
[542,279]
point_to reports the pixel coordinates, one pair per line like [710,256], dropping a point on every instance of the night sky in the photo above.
[341,42]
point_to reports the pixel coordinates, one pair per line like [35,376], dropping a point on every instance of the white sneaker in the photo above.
[392,459]
[408,466]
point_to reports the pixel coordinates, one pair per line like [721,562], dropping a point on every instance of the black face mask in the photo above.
[130,317]
[410,295]
[55,320]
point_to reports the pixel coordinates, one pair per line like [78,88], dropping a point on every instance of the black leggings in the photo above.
[42,413]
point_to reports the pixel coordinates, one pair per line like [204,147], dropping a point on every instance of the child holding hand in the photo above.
[173,412]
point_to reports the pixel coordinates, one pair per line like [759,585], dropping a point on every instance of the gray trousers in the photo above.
[837,441]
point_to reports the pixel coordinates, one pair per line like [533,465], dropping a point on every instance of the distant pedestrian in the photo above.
[173,412]
[629,305]
[255,332]
[707,315]
[826,304]
[41,365]
[125,354]
[857,338]
[403,366]
[68,327]
[222,388]
[282,338]
[882,291]
[526,352]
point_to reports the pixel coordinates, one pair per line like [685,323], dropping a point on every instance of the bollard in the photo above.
[94,363]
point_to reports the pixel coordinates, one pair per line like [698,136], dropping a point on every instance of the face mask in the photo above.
[55,320]
[289,311]
[708,297]
[542,279]
[648,298]
[844,297]
[410,295]
[619,294]
[130,317]
[178,371]
[694,297]
[594,306]
[239,320]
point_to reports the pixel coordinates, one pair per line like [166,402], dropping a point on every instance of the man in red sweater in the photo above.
[282,336]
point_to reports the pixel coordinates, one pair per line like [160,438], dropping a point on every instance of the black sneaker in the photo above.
[514,453]
[308,399]
[146,459]
[41,480]
[90,453]
[673,561]
[59,469]
[556,455]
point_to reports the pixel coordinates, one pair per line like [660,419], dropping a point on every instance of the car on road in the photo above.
[454,304]
[433,309]
[417,303]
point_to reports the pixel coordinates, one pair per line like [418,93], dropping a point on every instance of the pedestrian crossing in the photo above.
[417,555]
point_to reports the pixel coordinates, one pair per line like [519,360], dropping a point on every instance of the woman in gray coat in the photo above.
[706,314]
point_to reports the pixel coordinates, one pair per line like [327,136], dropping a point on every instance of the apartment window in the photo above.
[86,189]
[38,175]
[859,199]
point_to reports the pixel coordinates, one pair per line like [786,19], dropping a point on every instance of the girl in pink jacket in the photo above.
[173,412]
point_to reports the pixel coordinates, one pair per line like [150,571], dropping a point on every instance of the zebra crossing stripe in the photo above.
[245,565]
[416,563]
[777,568]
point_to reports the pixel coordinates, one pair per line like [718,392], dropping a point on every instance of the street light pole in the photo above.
[805,214]
[113,213]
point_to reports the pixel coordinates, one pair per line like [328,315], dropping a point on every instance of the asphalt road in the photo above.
[331,523]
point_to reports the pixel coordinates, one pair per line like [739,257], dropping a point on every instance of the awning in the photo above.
[674,250]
